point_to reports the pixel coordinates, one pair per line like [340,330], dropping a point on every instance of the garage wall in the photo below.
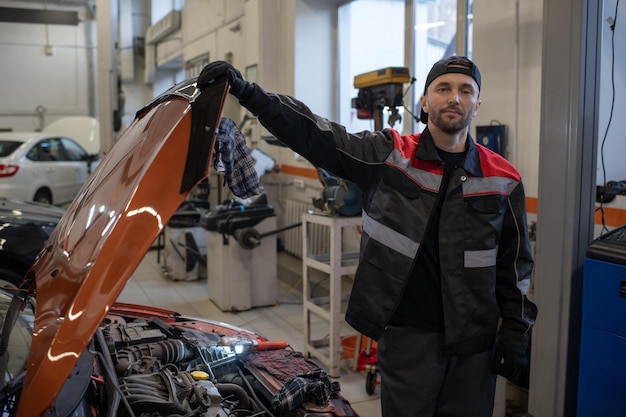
[45,67]
[507,48]
[611,123]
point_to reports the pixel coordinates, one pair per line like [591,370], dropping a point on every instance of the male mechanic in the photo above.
[445,258]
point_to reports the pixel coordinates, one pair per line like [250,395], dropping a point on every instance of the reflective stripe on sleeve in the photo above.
[480,258]
[389,237]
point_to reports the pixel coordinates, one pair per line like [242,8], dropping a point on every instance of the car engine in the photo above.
[146,367]
[164,370]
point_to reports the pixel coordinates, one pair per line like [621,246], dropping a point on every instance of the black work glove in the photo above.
[239,87]
[511,358]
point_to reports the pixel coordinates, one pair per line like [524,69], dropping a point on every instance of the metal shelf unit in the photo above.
[335,263]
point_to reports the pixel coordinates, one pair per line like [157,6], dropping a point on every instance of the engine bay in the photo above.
[146,367]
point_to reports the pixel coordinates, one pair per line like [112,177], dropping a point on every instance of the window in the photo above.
[7,147]
[371,37]
[73,151]
[45,151]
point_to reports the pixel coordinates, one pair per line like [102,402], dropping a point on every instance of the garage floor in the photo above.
[283,321]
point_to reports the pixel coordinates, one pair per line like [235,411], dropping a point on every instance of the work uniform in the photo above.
[485,260]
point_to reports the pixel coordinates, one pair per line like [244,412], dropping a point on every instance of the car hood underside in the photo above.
[111,224]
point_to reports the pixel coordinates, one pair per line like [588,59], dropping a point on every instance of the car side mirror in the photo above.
[90,158]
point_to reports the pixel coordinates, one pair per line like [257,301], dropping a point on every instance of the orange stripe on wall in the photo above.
[302,172]
[613,217]
[531,205]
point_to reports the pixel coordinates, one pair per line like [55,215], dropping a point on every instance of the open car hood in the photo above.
[111,224]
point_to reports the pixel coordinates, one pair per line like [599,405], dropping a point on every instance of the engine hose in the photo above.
[168,351]
[113,388]
[256,398]
[237,391]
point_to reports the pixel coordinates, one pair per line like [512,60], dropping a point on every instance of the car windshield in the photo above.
[7,147]
[17,332]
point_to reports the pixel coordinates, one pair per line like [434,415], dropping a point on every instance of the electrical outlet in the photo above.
[298,183]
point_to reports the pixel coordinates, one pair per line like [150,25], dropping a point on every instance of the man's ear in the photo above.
[477,107]
[424,104]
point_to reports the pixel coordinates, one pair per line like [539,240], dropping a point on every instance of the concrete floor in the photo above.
[282,321]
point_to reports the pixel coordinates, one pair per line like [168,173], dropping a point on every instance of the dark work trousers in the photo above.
[417,380]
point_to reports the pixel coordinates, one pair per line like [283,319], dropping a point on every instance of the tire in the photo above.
[43,196]
[370,382]
[10,277]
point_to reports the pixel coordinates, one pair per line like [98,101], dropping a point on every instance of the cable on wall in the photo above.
[602,197]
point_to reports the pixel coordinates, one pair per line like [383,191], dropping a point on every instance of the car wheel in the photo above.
[43,196]
[10,277]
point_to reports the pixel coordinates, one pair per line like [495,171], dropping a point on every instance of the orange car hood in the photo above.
[109,227]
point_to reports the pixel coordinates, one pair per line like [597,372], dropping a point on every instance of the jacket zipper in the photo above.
[444,180]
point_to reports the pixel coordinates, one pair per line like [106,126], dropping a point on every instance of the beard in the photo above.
[448,126]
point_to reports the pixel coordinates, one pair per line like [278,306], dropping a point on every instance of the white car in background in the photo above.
[52,165]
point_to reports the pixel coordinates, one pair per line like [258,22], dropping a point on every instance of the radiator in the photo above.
[319,235]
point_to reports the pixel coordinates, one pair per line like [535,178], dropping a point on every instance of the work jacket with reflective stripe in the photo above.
[485,254]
